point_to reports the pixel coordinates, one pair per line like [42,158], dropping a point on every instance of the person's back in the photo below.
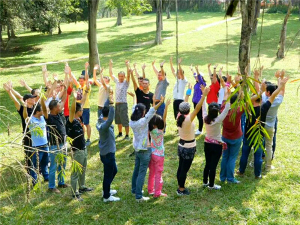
[232,125]
[186,131]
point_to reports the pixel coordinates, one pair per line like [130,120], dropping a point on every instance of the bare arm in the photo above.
[143,69]
[281,87]
[72,110]
[135,71]
[199,104]
[25,114]
[180,69]
[24,84]
[154,68]
[221,78]
[128,72]
[135,86]
[160,102]
[111,75]
[12,97]
[172,67]
[162,70]
[45,74]
[95,77]
[44,108]
[166,111]
[209,71]
[86,75]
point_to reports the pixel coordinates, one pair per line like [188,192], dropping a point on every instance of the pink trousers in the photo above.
[156,167]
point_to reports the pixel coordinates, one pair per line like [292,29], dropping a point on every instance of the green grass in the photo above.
[272,200]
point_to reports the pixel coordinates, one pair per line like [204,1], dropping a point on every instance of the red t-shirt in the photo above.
[213,93]
[232,128]
[66,107]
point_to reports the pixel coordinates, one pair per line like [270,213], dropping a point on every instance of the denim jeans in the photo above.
[243,123]
[161,109]
[244,158]
[274,138]
[110,171]
[268,146]
[53,166]
[229,158]
[43,163]
[142,159]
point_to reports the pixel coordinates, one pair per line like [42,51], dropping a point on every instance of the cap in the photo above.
[27,96]
[184,107]
[83,72]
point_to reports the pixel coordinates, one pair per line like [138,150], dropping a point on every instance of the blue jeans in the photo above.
[229,158]
[243,123]
[53,167]
[142,159]
[274,138]
[110,171]
[257,158]
[161,109]
[43,163]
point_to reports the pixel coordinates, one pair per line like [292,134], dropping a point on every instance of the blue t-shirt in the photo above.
[38,131]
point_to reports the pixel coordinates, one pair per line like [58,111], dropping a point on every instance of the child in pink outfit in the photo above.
[156,165]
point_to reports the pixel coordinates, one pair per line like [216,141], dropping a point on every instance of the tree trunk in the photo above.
[12,34]
[59,29]
[161,16]
[256,16]
[1,39]
[119,19]
[158,39]
[281,50]
[168,10]
[92,33]
[247,11]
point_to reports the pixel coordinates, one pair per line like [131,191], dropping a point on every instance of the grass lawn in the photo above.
[273,200]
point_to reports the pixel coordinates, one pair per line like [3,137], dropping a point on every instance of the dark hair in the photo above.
[78,107]
[106,77]
[38,108]
[121,72]
[181,118]
[233,98]
[53,104]
[224,78]
[105,111]
[213,112]
[33,91]
[138,112]
[146,79]
[157,121]
[271,88]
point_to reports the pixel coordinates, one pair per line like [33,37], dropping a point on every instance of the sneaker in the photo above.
[77,197]
[63,186]
[111,199]
[54,190]
[82,190]
[235,181]
[198,132]
[87,143]
[119,135]
[184,192]
[239,173]
[205,185]
[134,193]
[112,192]
[215,187]
[142,199]
[161,195]
[126,138]
[259,177]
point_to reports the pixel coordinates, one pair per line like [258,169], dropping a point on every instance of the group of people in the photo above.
[48,119]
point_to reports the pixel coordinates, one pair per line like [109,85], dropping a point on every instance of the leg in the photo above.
[33,168]
[224,162]
[245,154]
[207,151]
[179,169]
[258,162]
[158,174]
[135,173]
[75,175]
[120,128]
[216,155]
[161,109]
[124,117]
[109,172]
[127,130]
[83,162]
[233,154]
[269,143]
[62,167]
[151,175]
[86,122]
[200,118]
[53,166]
[88,131]
[144,163]
[274,138]
[44,162]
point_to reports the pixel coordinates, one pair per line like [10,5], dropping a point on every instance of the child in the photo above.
[156,165]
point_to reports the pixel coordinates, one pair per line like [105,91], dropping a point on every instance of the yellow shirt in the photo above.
[80,92]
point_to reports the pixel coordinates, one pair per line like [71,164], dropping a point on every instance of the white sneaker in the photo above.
[198,132]
[111,199]
[205,185]
[143,199]
[112,192]
[215,187]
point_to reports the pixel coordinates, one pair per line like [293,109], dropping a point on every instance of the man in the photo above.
[30,104]
[103,88]
[161,87]
[75,131]
[107,147]
[57,140]
[121,115]
[83,86]
[272,116]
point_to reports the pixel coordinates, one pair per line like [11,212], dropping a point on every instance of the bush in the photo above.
[282,9]
[211,7]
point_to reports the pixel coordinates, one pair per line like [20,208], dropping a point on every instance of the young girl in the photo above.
[139,125]
[187,143]
[213,144]
[156,165]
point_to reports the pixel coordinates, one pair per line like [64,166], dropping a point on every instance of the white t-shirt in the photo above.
[221,96]
[178,93]
[47,102]
[121,90]
[273,111]
[103,95]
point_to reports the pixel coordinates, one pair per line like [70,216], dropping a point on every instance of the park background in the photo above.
[275,199]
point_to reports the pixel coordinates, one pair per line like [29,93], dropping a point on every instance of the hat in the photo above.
[184,107]
[27,96]
[83,72]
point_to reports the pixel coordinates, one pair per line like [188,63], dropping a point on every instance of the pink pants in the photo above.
[156,167]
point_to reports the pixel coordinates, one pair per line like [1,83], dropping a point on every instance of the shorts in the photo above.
[86,116]
[121,115]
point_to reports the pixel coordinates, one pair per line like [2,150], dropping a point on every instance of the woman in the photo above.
[187,143]
[139,125]
[213,144]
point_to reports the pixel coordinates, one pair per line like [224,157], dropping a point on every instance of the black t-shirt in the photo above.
[259,111]
[27,138]
[56,129]
[75,131]
[146,99]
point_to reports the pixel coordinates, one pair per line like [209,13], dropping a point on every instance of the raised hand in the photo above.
[96,67]
[153,62]
[179,61]
[282,73]
[134,65]
[22,82]
[162,98]
[101,71]
[67,69]
[55,77]
[209,65]
[191,68]
[277,74]
[44,68]
[86,65]
[127,63]
[6,88]
[143,66]
[202,88]
[110,62]
[190,86]
[205,91]
[168,102]
[162,64]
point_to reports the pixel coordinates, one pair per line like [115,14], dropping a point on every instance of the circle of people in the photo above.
[49,111]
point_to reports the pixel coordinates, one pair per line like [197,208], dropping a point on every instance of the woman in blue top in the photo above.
[139,125]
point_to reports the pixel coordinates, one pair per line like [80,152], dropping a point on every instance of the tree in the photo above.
[92,33]
[168,9]
[281,50]
[128,7]
[158,39]
[256,16]
[247,25]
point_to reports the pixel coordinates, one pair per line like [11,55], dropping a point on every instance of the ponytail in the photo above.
[138,112]
[180,120]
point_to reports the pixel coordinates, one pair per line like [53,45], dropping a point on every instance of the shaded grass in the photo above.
[272,200]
